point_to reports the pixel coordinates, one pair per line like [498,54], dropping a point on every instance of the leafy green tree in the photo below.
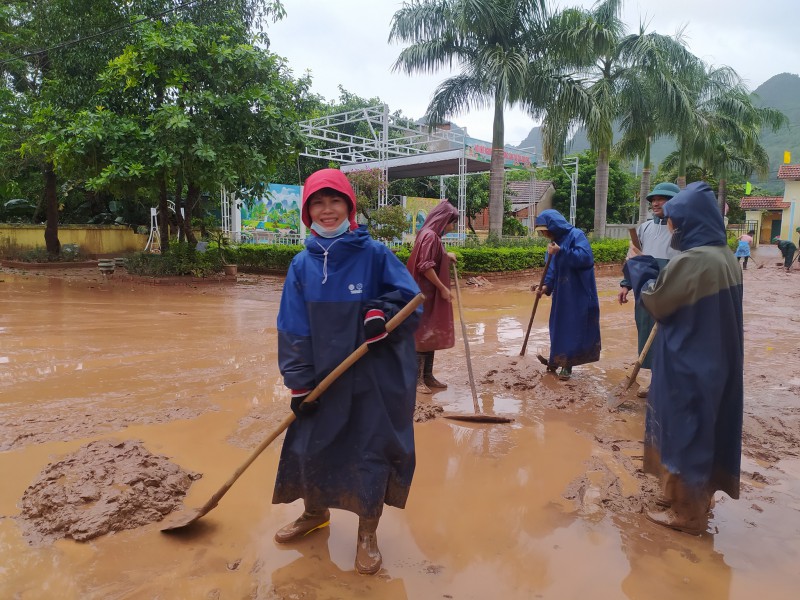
[498,45]
[185,103]
[622,207]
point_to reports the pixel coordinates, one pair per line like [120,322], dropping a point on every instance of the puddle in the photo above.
[548,506]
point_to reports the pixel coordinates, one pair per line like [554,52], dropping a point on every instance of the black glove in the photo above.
[375,326]
[301,408]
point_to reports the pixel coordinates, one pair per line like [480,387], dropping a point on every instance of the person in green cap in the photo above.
[654,238]
[787,249]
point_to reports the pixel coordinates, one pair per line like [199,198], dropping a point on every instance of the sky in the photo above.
[344,42]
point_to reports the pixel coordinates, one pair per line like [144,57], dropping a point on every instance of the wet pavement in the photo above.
[549,506]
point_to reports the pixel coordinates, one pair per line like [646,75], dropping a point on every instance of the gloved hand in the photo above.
[299,407]
[375,326]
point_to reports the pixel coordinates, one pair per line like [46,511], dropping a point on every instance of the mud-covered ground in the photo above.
[116,397]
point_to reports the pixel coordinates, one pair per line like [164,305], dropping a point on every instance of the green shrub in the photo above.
[262,257]
[180,259]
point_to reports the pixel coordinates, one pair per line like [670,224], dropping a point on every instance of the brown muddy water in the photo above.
[183,381]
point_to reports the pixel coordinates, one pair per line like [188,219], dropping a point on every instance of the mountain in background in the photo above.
[781,92]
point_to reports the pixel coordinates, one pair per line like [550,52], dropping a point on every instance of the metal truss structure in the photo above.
[371,138]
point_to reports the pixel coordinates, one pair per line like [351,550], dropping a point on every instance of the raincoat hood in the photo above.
[555,223]
[335,180]
[695,213]
[439,217]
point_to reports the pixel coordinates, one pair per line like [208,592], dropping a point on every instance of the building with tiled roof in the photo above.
[763,203]
[777,215]
[526,197]
[791,172]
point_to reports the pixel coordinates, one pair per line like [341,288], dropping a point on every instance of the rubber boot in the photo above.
[688,513]
[368,555]
[421,387]
[427,374]
[308,522]
[664,499]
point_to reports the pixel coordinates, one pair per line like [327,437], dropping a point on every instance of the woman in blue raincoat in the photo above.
[575,310]
[352,449]
[693,425]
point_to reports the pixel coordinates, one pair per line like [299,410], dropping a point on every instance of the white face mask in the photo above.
[331,233]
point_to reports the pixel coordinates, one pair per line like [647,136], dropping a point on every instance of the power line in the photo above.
[106,32]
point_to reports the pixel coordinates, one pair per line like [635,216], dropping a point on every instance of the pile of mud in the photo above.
[104,486]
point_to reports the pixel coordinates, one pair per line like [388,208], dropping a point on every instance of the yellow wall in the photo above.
[91,239]
[791,215]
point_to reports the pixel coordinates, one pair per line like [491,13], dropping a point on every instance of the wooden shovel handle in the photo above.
[640,360]
[466,343]
[323,385]
[535,305]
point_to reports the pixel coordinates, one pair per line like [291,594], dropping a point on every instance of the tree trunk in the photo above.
[644,189]
[497,171]
[163,213]
[601,193]
[179,204]
[51,241]
[722,195]
[682,170]
[192,197]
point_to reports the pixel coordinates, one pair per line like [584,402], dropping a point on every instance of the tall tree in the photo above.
[494,43]
[612,69]
[722,126]
[186,103]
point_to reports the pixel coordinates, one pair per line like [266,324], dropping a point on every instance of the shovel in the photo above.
[616,399]
[478,416]
[535,305]
[189,516]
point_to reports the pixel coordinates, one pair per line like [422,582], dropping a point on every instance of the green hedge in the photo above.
[268,257]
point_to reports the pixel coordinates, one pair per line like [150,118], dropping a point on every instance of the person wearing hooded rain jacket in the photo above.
[787,249]
[575,309]
[693,423]
[654,237]
[353,448]
[429,265]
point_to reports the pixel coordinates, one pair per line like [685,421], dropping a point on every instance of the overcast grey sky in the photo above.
[345,42]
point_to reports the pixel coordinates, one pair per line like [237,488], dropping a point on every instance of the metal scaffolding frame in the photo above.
[394,145]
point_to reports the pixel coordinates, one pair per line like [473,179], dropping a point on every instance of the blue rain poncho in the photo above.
[693,426]
[575,310]
[356,452]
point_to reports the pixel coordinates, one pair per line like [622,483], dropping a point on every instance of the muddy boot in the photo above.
[309,521]
[688,513]
[664,499]
[368,555]
[421,387]
[565,373]
[642,392]
[427,374]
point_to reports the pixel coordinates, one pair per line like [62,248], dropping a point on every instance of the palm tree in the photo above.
[495,43]
[722,127]
[616,76]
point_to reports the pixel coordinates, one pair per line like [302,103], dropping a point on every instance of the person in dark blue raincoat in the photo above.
[693,424]
[352,449]
[575,310]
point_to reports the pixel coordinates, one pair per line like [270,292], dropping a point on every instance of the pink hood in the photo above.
[335,180]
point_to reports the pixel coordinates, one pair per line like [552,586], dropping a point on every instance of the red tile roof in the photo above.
[520,191]
[763,202]
[789,172]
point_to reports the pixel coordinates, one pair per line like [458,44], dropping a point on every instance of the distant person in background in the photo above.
[575,310]
[429,265]
[654,237]
[787,249]
[743,249]
[693,424]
